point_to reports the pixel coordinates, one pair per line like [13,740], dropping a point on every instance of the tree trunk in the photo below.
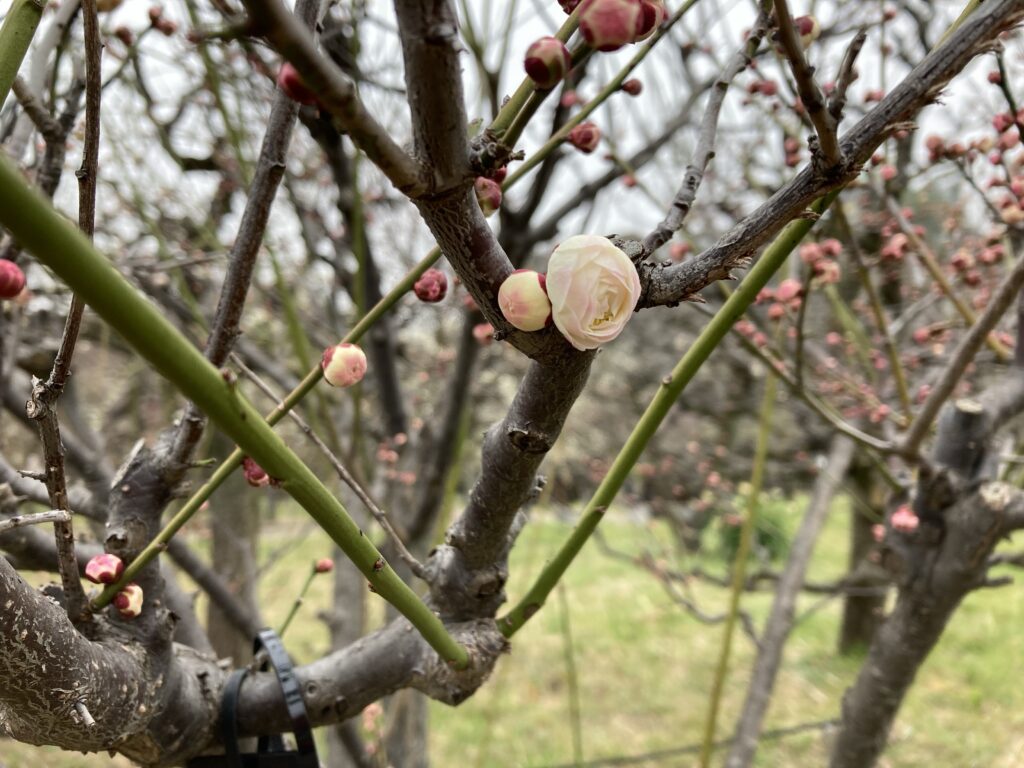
[862,613]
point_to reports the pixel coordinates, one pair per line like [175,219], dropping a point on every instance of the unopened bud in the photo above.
[254,474]
[585,137]
[808,28]
[652,14]
[488,195]
[343,365]
[129,600]
[104,569]
[607,25]
[12,279]
[290,81]
[547,62]
[324,565]
[632,86]
[431,287]
[523,300]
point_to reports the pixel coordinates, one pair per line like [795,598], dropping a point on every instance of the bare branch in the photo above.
[37,518]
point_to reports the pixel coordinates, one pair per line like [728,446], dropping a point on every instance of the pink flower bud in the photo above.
[607,25]
[633,87]
[808,28]
[431,287]
[488,195]
[343,365]
[678,251]
[878,532]
[12,279]
[290,81]
[652,14]
[547,62]
[585,137]
[1002,121]
[104,569]
[904,519]
[523,300]
[994,77]
[254,474]
[129,600]
[569,99]
[324,565]
[483,333]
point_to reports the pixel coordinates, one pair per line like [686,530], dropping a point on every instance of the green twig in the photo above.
[671,388]
[183,515]
[611,87]
[575,723]
[739,567]
[56,243]
[16,34]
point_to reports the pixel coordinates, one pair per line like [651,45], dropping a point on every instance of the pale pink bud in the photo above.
[678,251]
[523,300]
[483,333]
[290,81]
[633,87]
[488,195]
[324,565]
[1002,121]
[254,474]
[104,569]
[607,25]
[652,14]
[808,28]
[888,173]
[547,62]
[569,99]
[129,600]
[343,365]
[904,519]
[585,137]
[789,289]
[878,532]
[431,287]
[12,279]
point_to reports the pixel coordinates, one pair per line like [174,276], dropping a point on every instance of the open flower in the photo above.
[593,287]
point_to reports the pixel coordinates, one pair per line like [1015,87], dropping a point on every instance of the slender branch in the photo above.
[16,34]
[964,353]
[667,285]
[739,565]
[32,220]
[44,122]
[780,621]
[825,124]
[336,94]
[931,263]
[378,514]
[50,516]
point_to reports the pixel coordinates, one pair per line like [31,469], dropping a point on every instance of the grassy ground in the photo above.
[645,668]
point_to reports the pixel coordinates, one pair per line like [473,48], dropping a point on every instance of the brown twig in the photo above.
[847,74]
[45,394]
[705,149]
[968,347]
[38,518]
[825,124]
[378,514]
[336,94]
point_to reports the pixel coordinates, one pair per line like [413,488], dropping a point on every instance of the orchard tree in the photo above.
[288,154]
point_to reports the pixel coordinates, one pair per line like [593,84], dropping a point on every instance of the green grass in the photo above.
[645,665]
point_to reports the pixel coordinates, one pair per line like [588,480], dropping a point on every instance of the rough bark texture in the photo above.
[963,517]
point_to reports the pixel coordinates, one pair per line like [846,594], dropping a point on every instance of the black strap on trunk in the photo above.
[271,751]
